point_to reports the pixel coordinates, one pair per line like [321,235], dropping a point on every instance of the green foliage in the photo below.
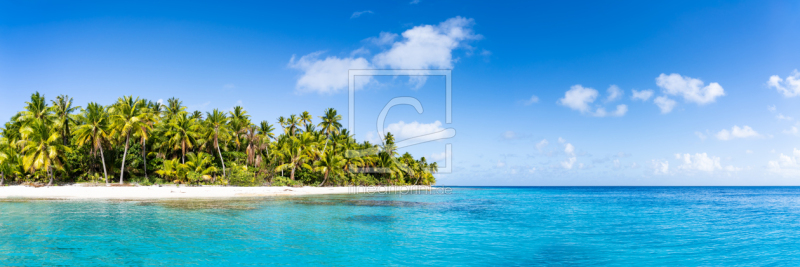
[284,181]
[150,142]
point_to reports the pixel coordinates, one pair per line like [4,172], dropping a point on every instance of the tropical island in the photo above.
[138,142]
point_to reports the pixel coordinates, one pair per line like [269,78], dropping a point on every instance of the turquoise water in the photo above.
[665,226]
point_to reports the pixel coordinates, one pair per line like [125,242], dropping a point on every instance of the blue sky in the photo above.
[718,92]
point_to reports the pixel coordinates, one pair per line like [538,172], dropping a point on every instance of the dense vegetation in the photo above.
[145,142]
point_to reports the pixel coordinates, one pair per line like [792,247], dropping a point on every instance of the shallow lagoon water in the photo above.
[472,226]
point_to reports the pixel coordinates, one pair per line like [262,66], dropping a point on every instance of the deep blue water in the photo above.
[665,226]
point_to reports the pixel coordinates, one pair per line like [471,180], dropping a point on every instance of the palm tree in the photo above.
[305,118]
[328,164]
[182,134]
[63,110]
[173,108]
[126,117]
[36,109]
[239,120]
[5,159]
[148,120]
[94,131]
[330,122]
[293,122]
[297,151]
[218,121]
[43,149]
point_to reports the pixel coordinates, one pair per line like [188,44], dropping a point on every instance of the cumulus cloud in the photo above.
[421,47]
[359,13]
[699,162]
[533,100]
[691,89]
[736,132]
[569,149]
[614,93]
[643,95]
[786,164]
[328,75]
[660,167]
[665,104]
[781,117]
[579,97]
[428,46]
[789,87]
[567,164]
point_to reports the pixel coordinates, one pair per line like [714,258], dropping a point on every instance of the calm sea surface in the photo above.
[666,226]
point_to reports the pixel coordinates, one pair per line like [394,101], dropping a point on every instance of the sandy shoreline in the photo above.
[173,192]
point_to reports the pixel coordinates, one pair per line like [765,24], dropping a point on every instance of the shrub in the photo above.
[284,181]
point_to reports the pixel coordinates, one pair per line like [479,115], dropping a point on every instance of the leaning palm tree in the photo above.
[94,131]
[148,120]
[218,122]
[126,118]
[43,149]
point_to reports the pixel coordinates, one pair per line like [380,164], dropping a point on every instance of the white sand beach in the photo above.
[173,192]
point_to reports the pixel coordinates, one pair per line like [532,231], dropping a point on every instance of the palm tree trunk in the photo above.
[103,159]
[144,156]
[50,173]
[292,175]
[2,178]
[222,160]
[125,155]
[326,179]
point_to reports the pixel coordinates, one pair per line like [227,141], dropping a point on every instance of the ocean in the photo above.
[468,226]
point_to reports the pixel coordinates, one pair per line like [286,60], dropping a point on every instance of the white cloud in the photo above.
[614,93]
[421,47]
[534,99]
[532,170]
[578,98]
[643,95]
[781,117]
[569,149]
[772,108]
[788,165]
[660,167]
[790,87]
[160,101]
[511,135]
[542,144]
[691,89]
[359,13]
[428,46]
[665,104]
[748,151]
[567,164]
[737,132]
[327,75]
[414,2]
[699,161]
[700,135]
[384,38]
[500,164]
[561,140]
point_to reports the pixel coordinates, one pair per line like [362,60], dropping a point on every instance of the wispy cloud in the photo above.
[359,13]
